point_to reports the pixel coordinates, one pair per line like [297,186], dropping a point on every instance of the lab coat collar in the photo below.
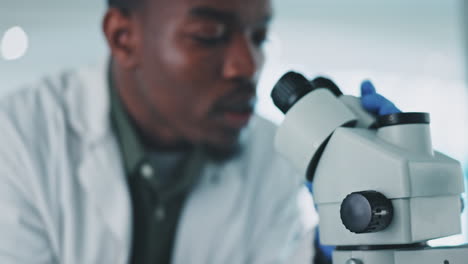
[100,170]
[88,102]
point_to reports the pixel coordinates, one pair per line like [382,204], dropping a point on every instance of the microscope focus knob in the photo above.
[366,212]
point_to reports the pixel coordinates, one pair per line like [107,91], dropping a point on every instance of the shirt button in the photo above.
[147,171]
[160,213]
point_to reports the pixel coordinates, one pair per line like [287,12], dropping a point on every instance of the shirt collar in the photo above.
[132,148]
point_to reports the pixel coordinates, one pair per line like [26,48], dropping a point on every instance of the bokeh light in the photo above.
[14,43]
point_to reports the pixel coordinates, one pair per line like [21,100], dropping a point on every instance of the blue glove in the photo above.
[323,253]
[374,102]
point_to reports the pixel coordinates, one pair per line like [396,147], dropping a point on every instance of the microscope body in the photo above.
[424,189]
[380,192]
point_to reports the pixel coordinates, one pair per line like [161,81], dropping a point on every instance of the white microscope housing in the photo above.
[378,183]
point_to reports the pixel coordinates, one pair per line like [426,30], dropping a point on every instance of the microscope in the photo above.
[380,189]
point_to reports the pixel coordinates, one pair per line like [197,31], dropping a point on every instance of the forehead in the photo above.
[243,11]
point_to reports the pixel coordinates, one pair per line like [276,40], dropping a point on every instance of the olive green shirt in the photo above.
[158,190]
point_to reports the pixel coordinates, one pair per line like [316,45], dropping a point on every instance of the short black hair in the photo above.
[124,5]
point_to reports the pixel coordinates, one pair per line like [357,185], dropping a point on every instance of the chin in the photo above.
[223,153]
[229,148]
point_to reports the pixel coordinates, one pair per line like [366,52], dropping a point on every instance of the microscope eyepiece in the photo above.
[290,89]
[322,82]
[293,86]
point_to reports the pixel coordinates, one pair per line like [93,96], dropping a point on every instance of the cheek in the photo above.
[198,66]
[196,72]
[184,78]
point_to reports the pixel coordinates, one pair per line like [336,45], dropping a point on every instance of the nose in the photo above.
[243,59]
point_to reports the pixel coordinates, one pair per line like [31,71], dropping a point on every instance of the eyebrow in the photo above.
[213,14]
[221,15]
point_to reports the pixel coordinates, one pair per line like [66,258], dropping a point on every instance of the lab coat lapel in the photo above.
[103,180]
[100,170]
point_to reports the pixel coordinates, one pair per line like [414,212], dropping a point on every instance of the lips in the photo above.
[236,107]
[237,119]
[237,114]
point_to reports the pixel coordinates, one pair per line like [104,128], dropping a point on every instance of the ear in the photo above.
[121,32]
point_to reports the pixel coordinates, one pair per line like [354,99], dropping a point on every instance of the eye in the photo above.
[259,37]
[211,34]
[210,40]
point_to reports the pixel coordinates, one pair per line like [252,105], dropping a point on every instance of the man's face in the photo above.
[199,65]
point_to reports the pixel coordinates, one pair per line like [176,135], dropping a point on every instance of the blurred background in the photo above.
[413,51]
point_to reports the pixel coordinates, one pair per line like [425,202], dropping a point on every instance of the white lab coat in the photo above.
[64,198]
